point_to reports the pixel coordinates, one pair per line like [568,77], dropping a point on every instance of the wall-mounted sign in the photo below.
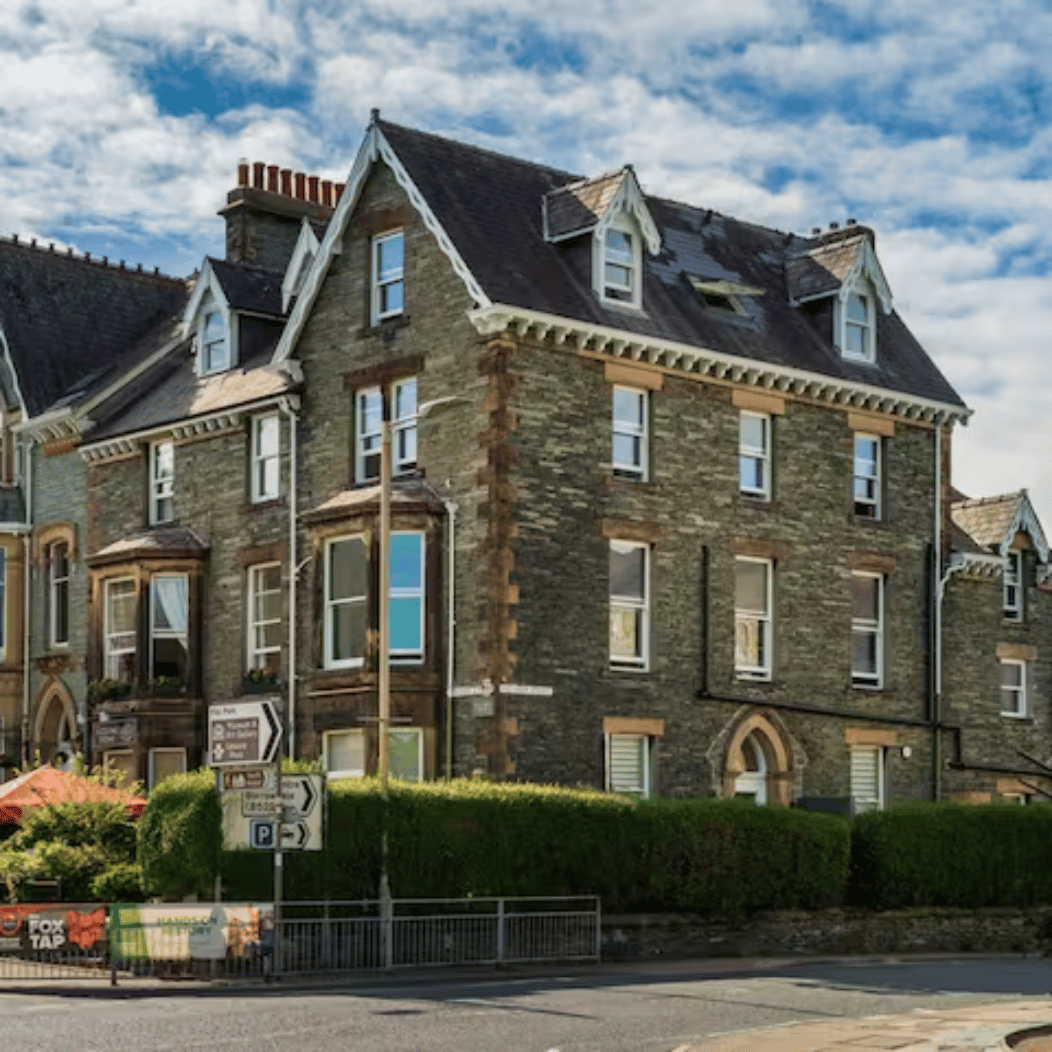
[114,734]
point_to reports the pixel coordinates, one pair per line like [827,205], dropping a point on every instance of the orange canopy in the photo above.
[48,785]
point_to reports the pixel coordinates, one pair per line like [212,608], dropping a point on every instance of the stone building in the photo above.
[671,504]
[73,331]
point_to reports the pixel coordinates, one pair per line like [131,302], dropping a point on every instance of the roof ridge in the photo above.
[381,122]
[975,502]
[138,271]
[240,265]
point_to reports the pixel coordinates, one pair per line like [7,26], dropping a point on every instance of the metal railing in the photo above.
[418,933]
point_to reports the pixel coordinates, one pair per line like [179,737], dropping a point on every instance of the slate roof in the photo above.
[822,270]
[172,391]
[249,288]
[406,495]
[987,520]
[581,205]
[492,208]
[159,542]
[67,319]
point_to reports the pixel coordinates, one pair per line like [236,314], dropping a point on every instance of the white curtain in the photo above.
[171,602]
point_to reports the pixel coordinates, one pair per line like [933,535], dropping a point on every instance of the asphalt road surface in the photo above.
[614,1009]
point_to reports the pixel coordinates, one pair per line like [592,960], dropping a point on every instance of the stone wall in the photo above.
[832,931]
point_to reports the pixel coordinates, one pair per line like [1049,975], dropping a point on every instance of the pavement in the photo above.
[994,1027]
[975,1029]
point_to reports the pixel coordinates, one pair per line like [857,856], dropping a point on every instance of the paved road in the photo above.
[655,1008]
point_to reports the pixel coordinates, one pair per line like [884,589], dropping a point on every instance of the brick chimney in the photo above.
[264,211]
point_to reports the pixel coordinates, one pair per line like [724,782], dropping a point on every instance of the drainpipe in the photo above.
[451,621]
[936,701]
[290,411]
[27,756]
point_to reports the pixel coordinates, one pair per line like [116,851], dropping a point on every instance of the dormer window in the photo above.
[388,275]
[858,327]
[619,266]
[1013,578]
[215,343]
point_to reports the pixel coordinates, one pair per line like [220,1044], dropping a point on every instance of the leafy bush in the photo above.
[179,836]
[472,838]
[121,882]
[951,854]
[73,842]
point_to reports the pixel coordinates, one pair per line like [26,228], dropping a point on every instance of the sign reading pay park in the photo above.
[246,732]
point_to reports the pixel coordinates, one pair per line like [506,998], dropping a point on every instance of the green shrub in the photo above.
[121,882]
[179,836]
[72,842]
[951,854]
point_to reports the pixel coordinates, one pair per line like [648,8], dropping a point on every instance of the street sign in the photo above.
[260,804]
[261,835]
[246,732]
[301,819]
[295,815]
[256,779]
[295,836]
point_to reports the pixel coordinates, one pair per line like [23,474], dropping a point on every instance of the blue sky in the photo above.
[124,120]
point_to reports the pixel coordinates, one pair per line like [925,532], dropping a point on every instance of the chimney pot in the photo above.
[375,114]
[242,172]
[852,221]
[272,178]
[301,186]
[834,226]
[14,238]
[286,182]
[257,175]
[816,230]
[87,257]
[338,192]
[326,192]
[312,189]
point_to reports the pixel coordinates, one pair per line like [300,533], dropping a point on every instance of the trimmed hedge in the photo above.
[474,838]
[952,854]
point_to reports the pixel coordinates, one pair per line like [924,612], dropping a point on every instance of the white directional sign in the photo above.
[301,826]
[243,733]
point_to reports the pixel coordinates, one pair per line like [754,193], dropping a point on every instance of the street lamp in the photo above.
[384,674]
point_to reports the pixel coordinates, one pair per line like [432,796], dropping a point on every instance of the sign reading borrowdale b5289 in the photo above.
[247,732]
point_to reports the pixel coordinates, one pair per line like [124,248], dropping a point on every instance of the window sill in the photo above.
[1018,717]
[750,677]
[757,501]
[870,688]
[269,504]
[386,327]
[628,307]
[632,670]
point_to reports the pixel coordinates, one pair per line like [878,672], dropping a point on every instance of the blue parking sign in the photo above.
[261,834]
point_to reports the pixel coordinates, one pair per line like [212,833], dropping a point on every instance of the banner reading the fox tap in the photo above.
[71,929]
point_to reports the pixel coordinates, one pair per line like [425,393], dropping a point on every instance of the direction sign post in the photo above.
[243,733]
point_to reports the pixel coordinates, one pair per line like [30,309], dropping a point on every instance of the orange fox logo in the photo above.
[85,929]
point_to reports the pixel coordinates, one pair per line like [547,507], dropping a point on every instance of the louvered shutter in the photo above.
[628,764]
[866,778]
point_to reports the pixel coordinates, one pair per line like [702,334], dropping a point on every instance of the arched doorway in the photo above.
[751,784]
[55,735]
[758,763]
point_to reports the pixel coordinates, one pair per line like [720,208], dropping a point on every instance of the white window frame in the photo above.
[58,593]
[367,443]
[350,772]
[380,282]
[635,431]
[112,655]
[764,620]
[162,484]
[328,661]
[875,502]
[107,765]
[638,607]
[643,785]
[418,732]
[869,627]
[1013,585]
[632,262]
[265,482]
[860,802]
[258,656]
[756,454]
[418,592]
[214,355]
[151,772]
[168,633]
[1018,692]
[867,327]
